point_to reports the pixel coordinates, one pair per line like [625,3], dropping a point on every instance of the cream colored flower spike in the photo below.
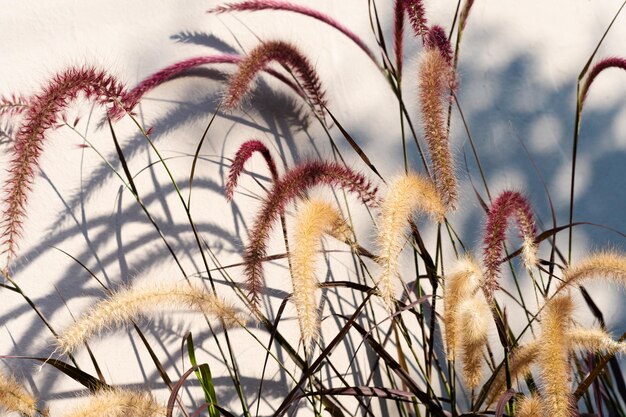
[131,303]
[405,195]
[120,403]
[530,407]
[315,217]
[605,265]
[14,398]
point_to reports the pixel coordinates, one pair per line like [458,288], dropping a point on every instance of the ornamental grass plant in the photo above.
[245,274]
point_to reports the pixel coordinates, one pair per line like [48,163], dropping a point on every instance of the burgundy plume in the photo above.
[246,150]
[509,204]
[294,184]
[610,62]
[257,5]
[398,34]
[417,17]
[436,38]
[43,114]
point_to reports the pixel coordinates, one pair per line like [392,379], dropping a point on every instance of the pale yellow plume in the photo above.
[474,318]
[406,195]
[314,218]
[130,303]
[461,283]
[119,403]
[530,407]
[14,398]
[606,265]
[594,340]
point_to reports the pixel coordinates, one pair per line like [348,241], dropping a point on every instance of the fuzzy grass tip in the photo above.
[245,152]
[120,403]
[14,398]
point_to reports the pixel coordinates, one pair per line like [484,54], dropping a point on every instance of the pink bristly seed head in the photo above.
[294,184]
[606,63]
[509,204]
[245,152]
[43,114]
[417,16]
[259,58]
[436,38]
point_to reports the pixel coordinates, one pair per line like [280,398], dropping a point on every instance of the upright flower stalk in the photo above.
[259,58]
[398,34]
[245,152]
[315,217]
[436,79]
[294,184]
[509,204]
[43,114]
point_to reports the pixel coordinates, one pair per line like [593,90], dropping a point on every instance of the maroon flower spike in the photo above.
[437,39]
[261,56]
[294,184]
[257,5]
[246,150]
[13,105]
[610,62]
[43,114]
[130,98]
[508,204]
[398,33]
[417,17]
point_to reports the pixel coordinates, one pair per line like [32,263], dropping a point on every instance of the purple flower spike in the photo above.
[436,38]
[246,150]
[43,114]
[294,184]
[417,17]
[257,5]
[610,62]
[508,204]
[398,33]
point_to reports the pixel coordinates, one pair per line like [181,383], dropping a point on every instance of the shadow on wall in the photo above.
[543,122]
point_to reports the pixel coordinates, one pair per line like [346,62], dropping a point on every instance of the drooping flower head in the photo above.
[259,58]
[294,184]
[606,63]
[508,205]
[120,403]
[245,152]
[608,265]
[417,17]
[42,114]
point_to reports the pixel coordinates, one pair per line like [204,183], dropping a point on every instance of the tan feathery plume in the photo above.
[530,407]
[522,359]
[553,355]
[120,403]
[406,194]
[314,218]
[460,284]
[594,340]
[130,303]
[608,265]
[435,81]
[474,318]
[14,398]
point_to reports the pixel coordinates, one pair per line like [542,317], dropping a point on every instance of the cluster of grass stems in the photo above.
[553,367]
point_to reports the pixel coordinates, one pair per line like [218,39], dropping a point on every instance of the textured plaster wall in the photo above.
[518,68]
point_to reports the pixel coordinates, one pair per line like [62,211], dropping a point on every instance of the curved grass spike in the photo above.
[120,403]
[508,204]
[314,218]
[607,265]
[436,79]
[130,303]
[258,5]
[406,195]
[294,184]
[259,58]
[43,114]
[417,17]
[606,63]
[459,285]
[14,398]
[553,356]
[245,152]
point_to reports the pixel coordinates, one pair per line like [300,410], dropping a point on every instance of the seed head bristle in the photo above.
[435,80]
[294,184]
[258,5]
[530,407]
[43,114]
[315,217]
[131,303]
[508,204]
[259,58]
[13,105]
[14,398]
[406,195]
[463,282]
[120,403]
[245,152]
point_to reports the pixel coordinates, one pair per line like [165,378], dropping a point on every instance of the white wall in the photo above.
[518,68]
